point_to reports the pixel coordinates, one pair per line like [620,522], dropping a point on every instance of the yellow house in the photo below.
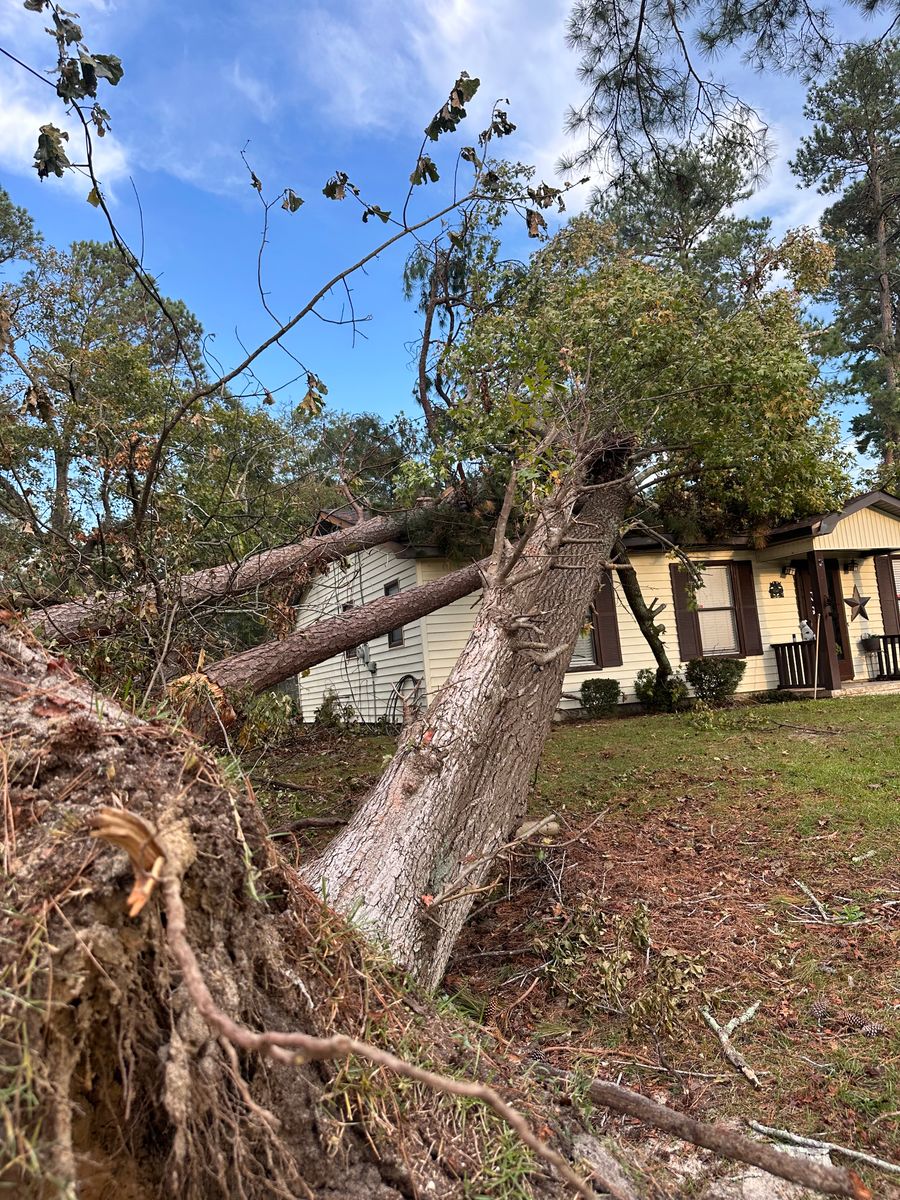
[839,573]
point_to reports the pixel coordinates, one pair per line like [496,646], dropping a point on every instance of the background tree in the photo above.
[854,151]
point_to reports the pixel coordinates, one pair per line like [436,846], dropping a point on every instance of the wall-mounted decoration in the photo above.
[776,590]
[857,605]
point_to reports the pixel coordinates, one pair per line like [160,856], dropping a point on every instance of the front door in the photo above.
[835,611]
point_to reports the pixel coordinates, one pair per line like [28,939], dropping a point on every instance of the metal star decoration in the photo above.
[857,605]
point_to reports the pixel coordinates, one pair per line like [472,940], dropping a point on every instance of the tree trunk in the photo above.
[886,310]
[460,779]
[263,666]
[643,615]
[79,619]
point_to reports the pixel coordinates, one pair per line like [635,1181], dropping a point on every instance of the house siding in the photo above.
[867,529]
[432,645]
[444,632]
[363,580]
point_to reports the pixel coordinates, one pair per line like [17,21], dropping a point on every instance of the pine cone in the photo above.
[819,1009]
[536,1054]
[864,1025]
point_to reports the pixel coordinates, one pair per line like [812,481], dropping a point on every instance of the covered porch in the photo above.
[844,570]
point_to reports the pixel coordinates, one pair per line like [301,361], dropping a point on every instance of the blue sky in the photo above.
[312,87]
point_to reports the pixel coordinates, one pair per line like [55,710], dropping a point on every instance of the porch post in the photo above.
[829,668]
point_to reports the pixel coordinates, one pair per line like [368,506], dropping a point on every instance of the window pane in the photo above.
[583,654]
[395,636]
[716,590]
[896,565]
[718,631]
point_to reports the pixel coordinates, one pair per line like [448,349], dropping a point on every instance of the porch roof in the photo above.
[867,524]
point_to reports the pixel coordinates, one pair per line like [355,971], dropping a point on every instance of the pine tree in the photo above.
[854,153]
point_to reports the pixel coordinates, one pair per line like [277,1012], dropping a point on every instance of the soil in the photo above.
[720,890]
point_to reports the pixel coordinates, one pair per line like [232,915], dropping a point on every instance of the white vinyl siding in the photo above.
[358,581]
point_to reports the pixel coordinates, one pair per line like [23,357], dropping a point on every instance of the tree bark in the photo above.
[885,306]
[264,666]
[635,599]
[427,833]
[77,620]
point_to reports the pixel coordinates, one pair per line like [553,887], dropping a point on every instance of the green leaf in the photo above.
[108,67]
[291,201]
[93,197]
[464,89]
[36,5]
[425,171]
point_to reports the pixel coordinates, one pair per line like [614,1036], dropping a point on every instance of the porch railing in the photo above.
[889,656]
[796,662]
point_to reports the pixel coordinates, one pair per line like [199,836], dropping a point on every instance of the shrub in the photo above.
[333,714]
[714,680]
[600,697]
[660,695]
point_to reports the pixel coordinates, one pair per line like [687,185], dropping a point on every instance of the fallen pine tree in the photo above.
[143,991]
[76,620]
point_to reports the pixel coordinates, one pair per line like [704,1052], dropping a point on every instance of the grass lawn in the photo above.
[678,882]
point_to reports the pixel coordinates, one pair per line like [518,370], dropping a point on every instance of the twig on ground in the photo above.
[808,892]
[797,1139]
[734,1056]
[832,1181]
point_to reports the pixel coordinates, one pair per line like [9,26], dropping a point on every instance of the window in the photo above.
[721,618]
[598,643]
[395,636]
[351,653]
[717,613]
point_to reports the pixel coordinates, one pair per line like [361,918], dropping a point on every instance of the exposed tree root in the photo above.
[114,1082]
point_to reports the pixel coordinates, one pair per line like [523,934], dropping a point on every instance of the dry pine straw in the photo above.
[721,885]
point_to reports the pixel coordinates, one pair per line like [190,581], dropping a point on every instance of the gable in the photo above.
[870,528]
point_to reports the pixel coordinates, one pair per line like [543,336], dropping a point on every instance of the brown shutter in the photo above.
[686,620]
[606,624]
[745,606]
[887,593]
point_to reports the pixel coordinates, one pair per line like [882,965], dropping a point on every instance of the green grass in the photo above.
[831,761]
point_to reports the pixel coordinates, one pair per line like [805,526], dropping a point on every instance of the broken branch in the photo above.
[832,1181]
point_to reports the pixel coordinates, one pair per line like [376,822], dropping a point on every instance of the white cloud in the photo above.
[373,72]
[24,109]
[258,95]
